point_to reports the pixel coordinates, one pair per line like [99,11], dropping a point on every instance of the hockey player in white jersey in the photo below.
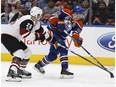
[27,27]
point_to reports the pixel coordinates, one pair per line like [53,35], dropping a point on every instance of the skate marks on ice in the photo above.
[84,76]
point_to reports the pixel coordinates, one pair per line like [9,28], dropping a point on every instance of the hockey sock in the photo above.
[44,62]
[15,63]
[23,63]
[64,62]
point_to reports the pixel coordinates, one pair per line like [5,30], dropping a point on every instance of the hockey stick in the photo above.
[105,69]
[92,56]
[85,50]
[111,74]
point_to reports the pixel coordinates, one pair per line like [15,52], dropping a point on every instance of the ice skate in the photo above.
[25,74]
[13,76]
[38,68]
[65,74]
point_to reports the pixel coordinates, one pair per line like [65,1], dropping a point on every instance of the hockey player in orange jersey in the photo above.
[67,21]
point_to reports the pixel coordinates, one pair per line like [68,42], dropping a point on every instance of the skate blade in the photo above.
[66,76]
[37,70]
[26,77]
[10,79]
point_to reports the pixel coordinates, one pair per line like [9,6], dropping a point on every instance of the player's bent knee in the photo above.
[52,57]
[19,53]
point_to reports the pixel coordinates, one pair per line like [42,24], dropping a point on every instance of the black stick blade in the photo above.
[111,75]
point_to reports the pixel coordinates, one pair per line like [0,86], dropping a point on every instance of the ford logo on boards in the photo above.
[107,41]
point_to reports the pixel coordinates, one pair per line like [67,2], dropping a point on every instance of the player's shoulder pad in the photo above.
[25,17]
[28,23]
[54,19]
[79,23]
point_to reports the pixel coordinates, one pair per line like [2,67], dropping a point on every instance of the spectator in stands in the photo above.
[95,5]
[111,7]
[22,11]
[23,2]
[43,3]
[28,5]
[34,3]
[101,14]
[13,2]
[111,13]
[85,5]
[7,15]
[61,4]
[99,8]
[19,14]
[50,9]
[110,19]
[75,3]
[17,7]
[70,4]
[2,6]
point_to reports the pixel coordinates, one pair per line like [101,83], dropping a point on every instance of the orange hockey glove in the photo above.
[78,40]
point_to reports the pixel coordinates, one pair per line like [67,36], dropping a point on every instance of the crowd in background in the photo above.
[96,12]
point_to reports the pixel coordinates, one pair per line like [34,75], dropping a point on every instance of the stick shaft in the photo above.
[92,56]
[86,51]
[86,59]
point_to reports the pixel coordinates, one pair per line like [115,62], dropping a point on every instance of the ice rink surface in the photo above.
[84,76]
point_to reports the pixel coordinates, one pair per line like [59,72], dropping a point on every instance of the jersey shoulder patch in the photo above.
[27,24]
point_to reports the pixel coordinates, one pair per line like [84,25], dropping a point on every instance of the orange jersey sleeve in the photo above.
[54,20]
[80,23]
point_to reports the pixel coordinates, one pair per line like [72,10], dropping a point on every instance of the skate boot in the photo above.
[25,74]
[22,71]
[13,76]
[65,74]
[38,68]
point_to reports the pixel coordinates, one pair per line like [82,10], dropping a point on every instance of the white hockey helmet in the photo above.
[35,11]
